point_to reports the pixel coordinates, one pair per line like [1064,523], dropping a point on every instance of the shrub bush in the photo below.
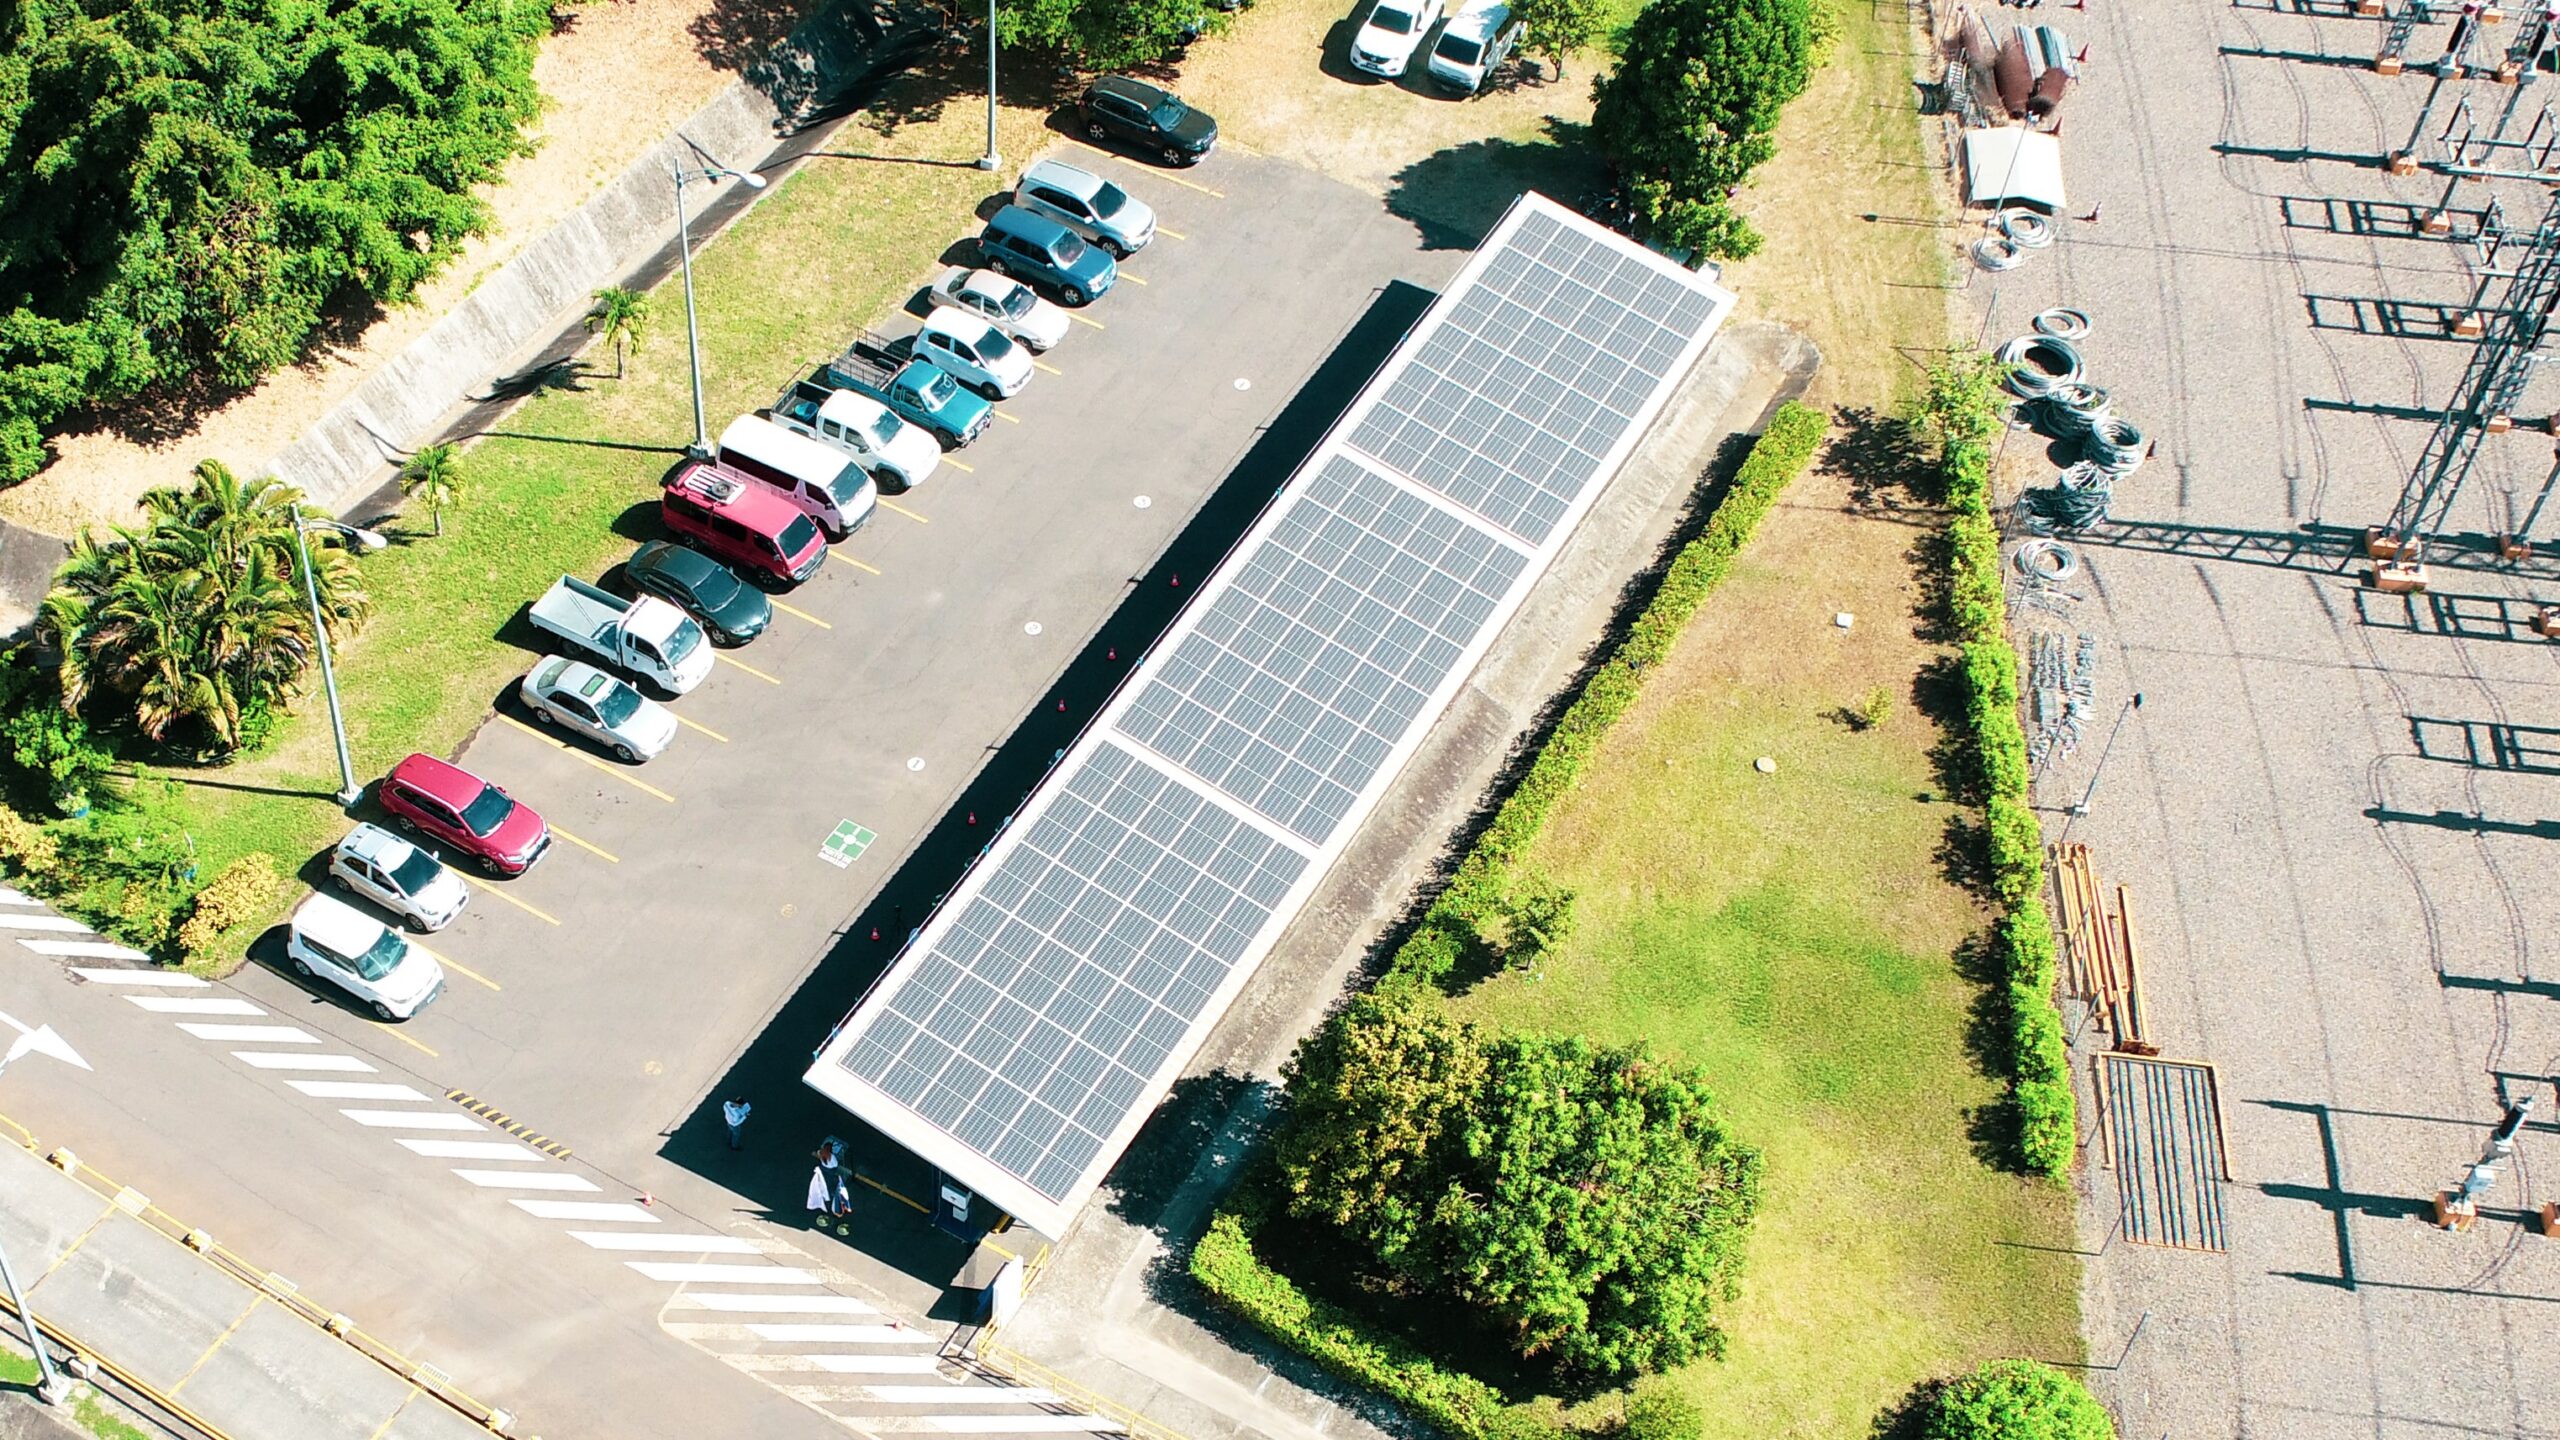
[245,891]
[2015,1400]
[1658,1412]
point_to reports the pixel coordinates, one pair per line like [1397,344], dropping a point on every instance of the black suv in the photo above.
[1153,120]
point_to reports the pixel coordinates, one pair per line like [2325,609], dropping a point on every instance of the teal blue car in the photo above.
[918,391]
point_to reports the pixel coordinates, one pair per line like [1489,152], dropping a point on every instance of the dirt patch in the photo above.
[616,81]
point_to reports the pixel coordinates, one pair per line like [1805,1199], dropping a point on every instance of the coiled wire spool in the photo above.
[1996,254]
[2114,446]
[2024,228]
[2040,364]
[2046,560]
[2079,498]
[2063,323]
[2071,409]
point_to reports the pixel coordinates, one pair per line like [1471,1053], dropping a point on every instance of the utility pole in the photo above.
[710,170]
[991,159]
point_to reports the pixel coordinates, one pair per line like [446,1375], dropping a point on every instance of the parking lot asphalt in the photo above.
[607,1001]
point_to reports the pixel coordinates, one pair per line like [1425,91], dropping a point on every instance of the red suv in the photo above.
[448,803]
[748,525]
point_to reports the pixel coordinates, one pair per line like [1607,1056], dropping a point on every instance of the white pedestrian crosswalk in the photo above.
[263,1034]
[584,1210]
[667,1243]
[772,1304]
[470,1149]
[719,1274]
[528,1180]
[279,1060]
[193,1005]
[357,1090]
[413,1119]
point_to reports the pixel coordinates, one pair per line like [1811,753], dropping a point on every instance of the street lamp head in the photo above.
[366,540]
[754,182]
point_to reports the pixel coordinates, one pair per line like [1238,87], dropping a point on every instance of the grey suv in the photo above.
[1087,204]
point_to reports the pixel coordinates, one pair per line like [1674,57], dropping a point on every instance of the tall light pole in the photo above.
[710,170]
[991,160]
[51,1387]
[348,789]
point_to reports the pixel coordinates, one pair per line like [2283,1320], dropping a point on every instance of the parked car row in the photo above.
[758,515]
[1470,49]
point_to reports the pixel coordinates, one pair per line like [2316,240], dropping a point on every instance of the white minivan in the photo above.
[974,353]
[332,940]
[829,486]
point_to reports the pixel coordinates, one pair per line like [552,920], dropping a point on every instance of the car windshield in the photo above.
[487,811]
[1460,49]
[1169,112]
[382,958]
[416,873]
[1018,302]
[847,486]
[798,536]
[885,429]
[1067,251]
[680,642]
[617,704]
[1110,200]
[934,390]
[712,586]
[992,346]
[1392,20]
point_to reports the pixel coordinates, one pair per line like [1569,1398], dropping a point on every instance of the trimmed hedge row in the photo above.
[1224,1260]
[1963,410]
[1452,930]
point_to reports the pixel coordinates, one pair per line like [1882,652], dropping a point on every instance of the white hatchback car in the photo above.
[562,691]
[398,876]
[974,353]
[332,940]
[1393,31]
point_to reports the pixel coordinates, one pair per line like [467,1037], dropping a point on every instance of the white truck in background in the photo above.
[646,637]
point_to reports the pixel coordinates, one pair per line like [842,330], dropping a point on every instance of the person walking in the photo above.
[821,1197]
[831,1171]
[735,1112]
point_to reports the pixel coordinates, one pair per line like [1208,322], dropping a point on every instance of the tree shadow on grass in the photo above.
[1454,196]
[1883,460]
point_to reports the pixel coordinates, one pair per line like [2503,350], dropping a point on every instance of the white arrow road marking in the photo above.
[470,1150]
[579,1209]
[528,1180]
[173,1005]
[263,1034]
[41,1041]
[413,1119]
[723,1274]
[774,1304]
[355,1090]
[270,1060]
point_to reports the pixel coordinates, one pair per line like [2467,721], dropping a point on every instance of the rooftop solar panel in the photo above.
[1031,1024]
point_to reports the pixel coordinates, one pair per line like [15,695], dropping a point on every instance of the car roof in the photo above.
[1128,89]
[1058,174]
[376,846]
[756,506]
[444,780]
[990,284]
[560,673]
[1031,225]
[681,563]
[336,926]
[1478,22]
[956,324]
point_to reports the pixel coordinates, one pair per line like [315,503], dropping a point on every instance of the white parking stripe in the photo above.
[270,1060]
[172,1005]
[960,1395]
[263,1034]
[774,1304]
[1023,1424]
[674,1244]
[470,1150]
[528,1180]
[413,1119]
[877,1364]
[16,920]
[843,1334]
[12,897]
[355,1090]
[581,1209]
[723,1274]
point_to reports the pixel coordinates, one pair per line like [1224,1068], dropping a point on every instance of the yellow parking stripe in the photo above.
[1132,279]
[611,770]
[1008,416]
[605,855]
[1039,365]
[396,1033]
[1096,324]
[1176,234]
[802,614]
[735,665]
[486,887]
[962,466]
[856,564]
[705,729]
[450,965]
[903,510]
[1152,170]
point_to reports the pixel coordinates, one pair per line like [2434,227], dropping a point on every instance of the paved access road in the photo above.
[612,997]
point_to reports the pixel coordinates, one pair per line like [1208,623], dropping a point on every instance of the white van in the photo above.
[1476,42]
[828,486]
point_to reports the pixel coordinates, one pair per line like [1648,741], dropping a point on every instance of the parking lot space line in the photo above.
[1079,319]
[856,564]
[1176,234]
[705,729]
[276,1060]
[1008,416]
[396,1033]
[903,510]
[449,964]
[963,466]
[604,855]
[1132,279]
[797,613]
[1042,365]
[486,888]
[1152,170]
[734,665]
[219,1341]
[565,749]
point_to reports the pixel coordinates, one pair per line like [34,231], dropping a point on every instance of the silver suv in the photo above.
[1089,205]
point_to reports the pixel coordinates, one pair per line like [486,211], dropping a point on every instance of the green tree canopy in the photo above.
[433,477]
[1688,114]
[1586,1200]
[2015,1400]
[1557,28]
[1106,34]
[191,184]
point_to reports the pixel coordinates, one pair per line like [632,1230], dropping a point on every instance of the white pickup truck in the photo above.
[647,637]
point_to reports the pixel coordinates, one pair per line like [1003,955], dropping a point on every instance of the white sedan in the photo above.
[573,693]
[1007,304]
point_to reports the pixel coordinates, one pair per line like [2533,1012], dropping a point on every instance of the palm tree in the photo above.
[435,476]
[620,315]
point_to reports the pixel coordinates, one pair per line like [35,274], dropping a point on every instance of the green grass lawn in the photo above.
[833,247]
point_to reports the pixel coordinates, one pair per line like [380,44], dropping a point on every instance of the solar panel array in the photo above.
[1295,686]
[1067,977]
[1052,998]
[1512,403]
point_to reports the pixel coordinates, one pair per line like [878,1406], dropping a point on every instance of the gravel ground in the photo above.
[2338,877]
